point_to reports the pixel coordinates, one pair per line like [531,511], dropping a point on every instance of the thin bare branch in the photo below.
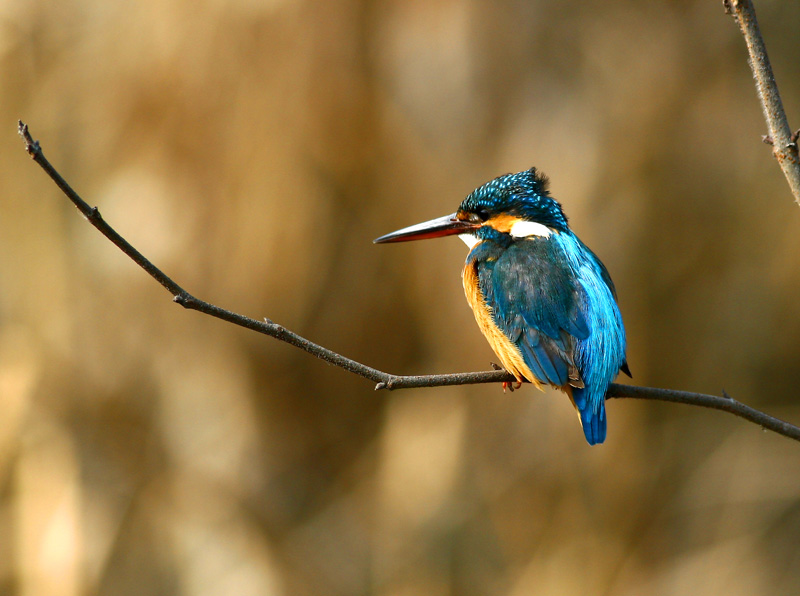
[724,403]
[784,143]
[384,380]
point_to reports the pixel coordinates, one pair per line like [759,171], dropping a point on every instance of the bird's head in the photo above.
[508,207]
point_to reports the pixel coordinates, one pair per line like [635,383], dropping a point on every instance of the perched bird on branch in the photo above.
[541,297]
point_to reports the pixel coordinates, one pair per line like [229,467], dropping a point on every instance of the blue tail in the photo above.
[593,415]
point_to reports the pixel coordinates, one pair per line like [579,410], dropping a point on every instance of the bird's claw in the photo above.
[509,385]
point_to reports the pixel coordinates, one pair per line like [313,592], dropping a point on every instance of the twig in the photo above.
[384,380]
[784,143]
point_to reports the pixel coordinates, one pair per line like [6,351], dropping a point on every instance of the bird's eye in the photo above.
[473,218]
[481,214]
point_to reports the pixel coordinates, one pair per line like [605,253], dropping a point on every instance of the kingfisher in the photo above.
[543,300]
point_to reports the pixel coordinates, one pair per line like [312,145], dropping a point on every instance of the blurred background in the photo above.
[253,149]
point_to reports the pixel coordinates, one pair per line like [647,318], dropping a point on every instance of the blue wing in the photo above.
[536,301]
[569,332]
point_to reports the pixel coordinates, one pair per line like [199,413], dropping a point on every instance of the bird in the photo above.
[542,299]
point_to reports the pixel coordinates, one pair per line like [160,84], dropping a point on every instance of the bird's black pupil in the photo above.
[482,214]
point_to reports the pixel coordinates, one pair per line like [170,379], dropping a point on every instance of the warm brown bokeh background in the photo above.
[254,149]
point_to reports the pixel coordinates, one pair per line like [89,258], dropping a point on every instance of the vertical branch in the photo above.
[784,143]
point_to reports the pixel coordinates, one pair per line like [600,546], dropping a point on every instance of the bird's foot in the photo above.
[509,385]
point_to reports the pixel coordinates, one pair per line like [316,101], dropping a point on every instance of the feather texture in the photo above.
[552,300]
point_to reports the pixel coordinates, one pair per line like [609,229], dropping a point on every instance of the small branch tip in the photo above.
[31,146]
[387,384]
[726,4]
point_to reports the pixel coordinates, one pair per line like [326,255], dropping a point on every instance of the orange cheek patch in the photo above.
[503,223]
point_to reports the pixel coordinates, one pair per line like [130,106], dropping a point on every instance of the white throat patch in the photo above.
[524,229]
[470,240]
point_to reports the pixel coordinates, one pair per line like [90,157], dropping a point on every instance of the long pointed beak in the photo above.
[435,228]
